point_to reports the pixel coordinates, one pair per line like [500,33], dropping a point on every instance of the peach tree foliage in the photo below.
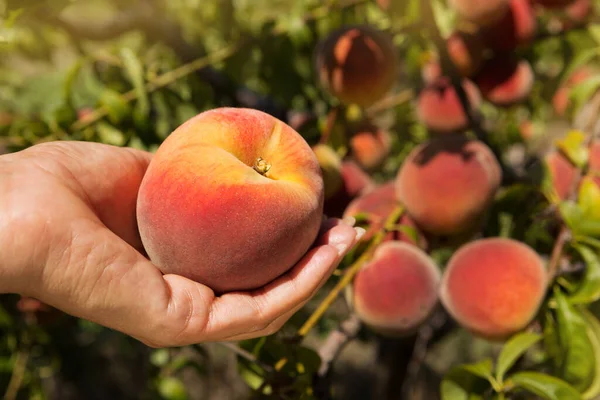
[99,71]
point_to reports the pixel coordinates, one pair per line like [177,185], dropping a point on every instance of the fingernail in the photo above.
[360,232]
[349,220]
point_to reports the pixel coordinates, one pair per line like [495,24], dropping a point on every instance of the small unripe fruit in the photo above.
[494,287]
[396,291]
[331,166]
[440,109]
[448,183]
[357,64]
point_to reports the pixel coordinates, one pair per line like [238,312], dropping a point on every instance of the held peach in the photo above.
[397,290]
[232,199]
[493,287]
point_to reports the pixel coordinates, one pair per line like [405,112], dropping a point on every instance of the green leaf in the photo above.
[462,384]
[171,388]
[135,71]
[581,93]
[577,367]
[5,318]
[514,349]
[482,369]
[579,222]
[589,290]
[110,135]
[589,198]
[573,146]
[593,329]
[545,386]
[117,108]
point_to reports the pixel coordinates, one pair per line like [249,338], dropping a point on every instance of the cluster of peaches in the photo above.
[493,287]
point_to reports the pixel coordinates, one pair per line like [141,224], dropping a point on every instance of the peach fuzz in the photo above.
[397,290]
[505,82]
[331,165]
[376,206]
[440,109]
[370,146]
[232,199]
[355,182]
[448,183]
[493,287]
[480,12]
[357,64]
[516,28]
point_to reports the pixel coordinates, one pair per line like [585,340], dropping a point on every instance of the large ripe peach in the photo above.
[448,183]
[370,146]
[465,49]
[480,12]
[355,182]
[440,109]
[331,166]
[232,199]
[376,206]
[397,290]
[505,81]
[516,28]
[493,287]
[560,100]
[357,64]
[562,173]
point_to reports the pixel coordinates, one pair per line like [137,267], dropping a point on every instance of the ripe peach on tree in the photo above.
[439,107]
[397,290]
[370,145]
[357,64]
[447,184]
[516,28]
[375,206]
[505,81]
[236,186]
[493,287]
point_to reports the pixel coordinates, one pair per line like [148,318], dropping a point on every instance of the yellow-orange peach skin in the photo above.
[493,287]
[232,199]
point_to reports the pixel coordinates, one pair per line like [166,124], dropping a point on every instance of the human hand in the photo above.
[68,237]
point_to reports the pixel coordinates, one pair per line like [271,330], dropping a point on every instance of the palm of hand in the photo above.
[68,236]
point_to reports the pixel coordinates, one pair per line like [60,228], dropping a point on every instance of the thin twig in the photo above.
[335,342]
[246,355]
[19,369]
